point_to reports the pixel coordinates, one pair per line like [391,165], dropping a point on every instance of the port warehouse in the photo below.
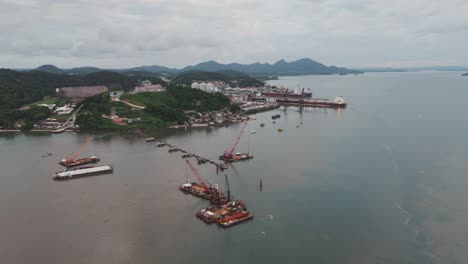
[78,93]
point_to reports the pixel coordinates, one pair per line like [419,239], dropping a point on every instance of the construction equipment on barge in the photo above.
[73,160]
[69,174]
[338,102]
[231,156]
[226,214]
[201,189]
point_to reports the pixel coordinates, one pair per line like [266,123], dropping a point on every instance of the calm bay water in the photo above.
[383,181]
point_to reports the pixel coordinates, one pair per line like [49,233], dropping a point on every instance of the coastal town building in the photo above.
[208,86]
[147,86]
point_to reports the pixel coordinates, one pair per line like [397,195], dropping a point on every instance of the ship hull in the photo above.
[77,174]
[79,162]
[311,103]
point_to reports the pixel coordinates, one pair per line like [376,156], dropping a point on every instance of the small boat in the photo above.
[253,132]
[280,130]
[151,139]
[262,125]
[301,122]
[297,126]
[47,155]
[274,122]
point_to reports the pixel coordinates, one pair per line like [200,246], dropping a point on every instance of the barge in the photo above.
[235,157]
[338,102]
[82,172]
[215,213]
[208,193]
[77,162]
[235,219]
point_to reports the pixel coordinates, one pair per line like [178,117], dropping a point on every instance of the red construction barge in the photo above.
[73,160]
[238,156]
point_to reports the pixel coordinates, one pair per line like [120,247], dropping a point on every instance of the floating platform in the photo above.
[236,157]
[215,213]
[208,193]
[235,219]
[197,190]
[337,103]
[77,162]
[82,172]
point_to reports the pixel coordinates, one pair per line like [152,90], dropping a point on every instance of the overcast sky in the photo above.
[175,33]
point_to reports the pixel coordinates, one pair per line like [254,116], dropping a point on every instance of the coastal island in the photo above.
[466,74]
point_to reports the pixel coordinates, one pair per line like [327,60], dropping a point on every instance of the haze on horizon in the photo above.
[176,33]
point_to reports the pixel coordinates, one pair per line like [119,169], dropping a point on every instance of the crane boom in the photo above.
[195,172]
[239,137]
[80,150]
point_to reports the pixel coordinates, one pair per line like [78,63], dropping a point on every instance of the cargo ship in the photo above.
[287,93]
[77,162]
[69,174]
[338,102]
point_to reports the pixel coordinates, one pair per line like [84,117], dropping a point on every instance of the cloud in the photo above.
[125,33]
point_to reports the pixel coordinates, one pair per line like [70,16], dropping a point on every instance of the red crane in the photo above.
[228,155]
[195,172]
[80,150]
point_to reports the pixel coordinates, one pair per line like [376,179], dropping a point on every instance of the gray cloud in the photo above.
[125,33]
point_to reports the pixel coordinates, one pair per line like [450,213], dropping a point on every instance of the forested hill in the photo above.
[21,88]
[232,78]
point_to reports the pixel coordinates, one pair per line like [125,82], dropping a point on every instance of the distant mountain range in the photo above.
[413,69]
[280,68]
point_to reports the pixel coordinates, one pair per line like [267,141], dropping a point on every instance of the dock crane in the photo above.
[74,160]
[230,156]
